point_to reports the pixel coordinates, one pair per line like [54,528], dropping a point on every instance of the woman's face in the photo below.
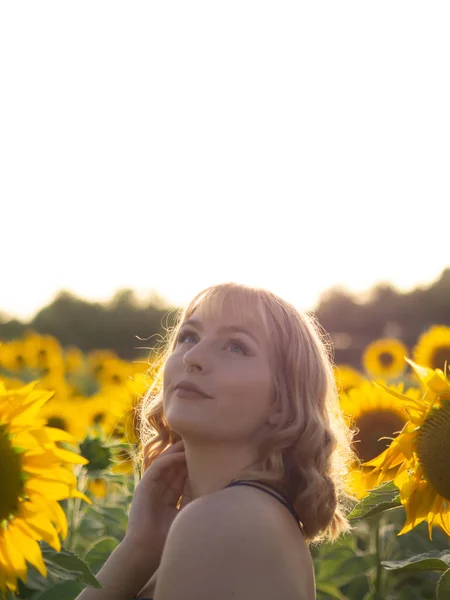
[230,365]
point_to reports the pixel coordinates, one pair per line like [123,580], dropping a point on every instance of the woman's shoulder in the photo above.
[240,526]
[238,507]
[233,505]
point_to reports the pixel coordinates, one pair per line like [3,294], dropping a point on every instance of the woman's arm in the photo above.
[148,591]
[124,574]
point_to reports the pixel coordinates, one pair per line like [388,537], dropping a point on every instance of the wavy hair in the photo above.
[308,454]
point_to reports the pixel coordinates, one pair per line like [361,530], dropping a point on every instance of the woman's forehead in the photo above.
[232,311]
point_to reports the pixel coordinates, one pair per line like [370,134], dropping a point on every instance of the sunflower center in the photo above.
[42,357]
[58,422]
[386,359]
[440,355]
[433,448]
[10,476]
[372,426]
[99,418]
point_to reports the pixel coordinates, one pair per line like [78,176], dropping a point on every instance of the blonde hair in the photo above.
[308,454]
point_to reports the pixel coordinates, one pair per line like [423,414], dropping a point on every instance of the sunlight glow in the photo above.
[170,146]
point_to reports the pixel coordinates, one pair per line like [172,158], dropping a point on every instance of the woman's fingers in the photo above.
[187,492]
[164,458]
[160,469]
[169,471]
[174,484]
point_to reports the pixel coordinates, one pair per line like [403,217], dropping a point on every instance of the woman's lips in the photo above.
[182,393]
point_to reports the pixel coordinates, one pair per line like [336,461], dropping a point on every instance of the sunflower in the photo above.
[433,348]
[42,351]
[54,378]
[377,416]
[124,461]
[128,414]
[12,356]
[73,360]
[66,415]
[418,456]
[101,411]
[35,475]
[99,360]
[347,377]
[385,358]
[97,487]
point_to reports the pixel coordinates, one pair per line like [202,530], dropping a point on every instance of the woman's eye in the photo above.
[183,338]
[240,346]
[183,335]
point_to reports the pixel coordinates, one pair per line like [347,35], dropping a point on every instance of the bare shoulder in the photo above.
[230,544]
[292,551]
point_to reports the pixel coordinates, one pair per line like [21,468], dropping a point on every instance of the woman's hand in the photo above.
[154,505]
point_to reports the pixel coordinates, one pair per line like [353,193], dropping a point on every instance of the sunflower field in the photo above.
[69,453]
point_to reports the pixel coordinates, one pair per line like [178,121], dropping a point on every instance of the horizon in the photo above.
[144,298]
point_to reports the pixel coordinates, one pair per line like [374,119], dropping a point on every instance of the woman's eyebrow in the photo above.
[240,329]
[194,323]
[236,328]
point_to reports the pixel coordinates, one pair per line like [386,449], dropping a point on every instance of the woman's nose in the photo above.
[196,359]
[192,367]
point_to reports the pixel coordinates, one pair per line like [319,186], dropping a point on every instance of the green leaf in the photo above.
[351,569]
[443,586]
[384,497]
[68,566]
[329,590]
[357,587]
[67,590]
[112,514]
[410,593]
[429,561]
[341,568]
[99,551]
[35,583]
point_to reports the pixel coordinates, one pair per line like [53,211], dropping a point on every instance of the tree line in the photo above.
[130,328]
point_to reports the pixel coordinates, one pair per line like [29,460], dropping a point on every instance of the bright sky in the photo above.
[174,145]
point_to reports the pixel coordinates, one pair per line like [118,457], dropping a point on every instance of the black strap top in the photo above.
[275,493]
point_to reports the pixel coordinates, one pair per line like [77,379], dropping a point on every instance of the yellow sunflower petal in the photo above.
[433,379]
[416,507]
[53,434]
[14,555]
[402,397]
[44,529]
[70,457]
[442,519]
[8,580]
[31,549]
[59,518]
[406,445]
[25,414]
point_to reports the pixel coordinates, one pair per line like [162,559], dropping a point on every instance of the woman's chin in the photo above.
[185,424]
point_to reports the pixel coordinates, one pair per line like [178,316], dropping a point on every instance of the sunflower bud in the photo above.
[98,455]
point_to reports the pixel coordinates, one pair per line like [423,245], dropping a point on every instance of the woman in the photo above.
[245,455]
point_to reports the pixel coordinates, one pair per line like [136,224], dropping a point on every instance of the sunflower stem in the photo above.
[377,527]
[75,512]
